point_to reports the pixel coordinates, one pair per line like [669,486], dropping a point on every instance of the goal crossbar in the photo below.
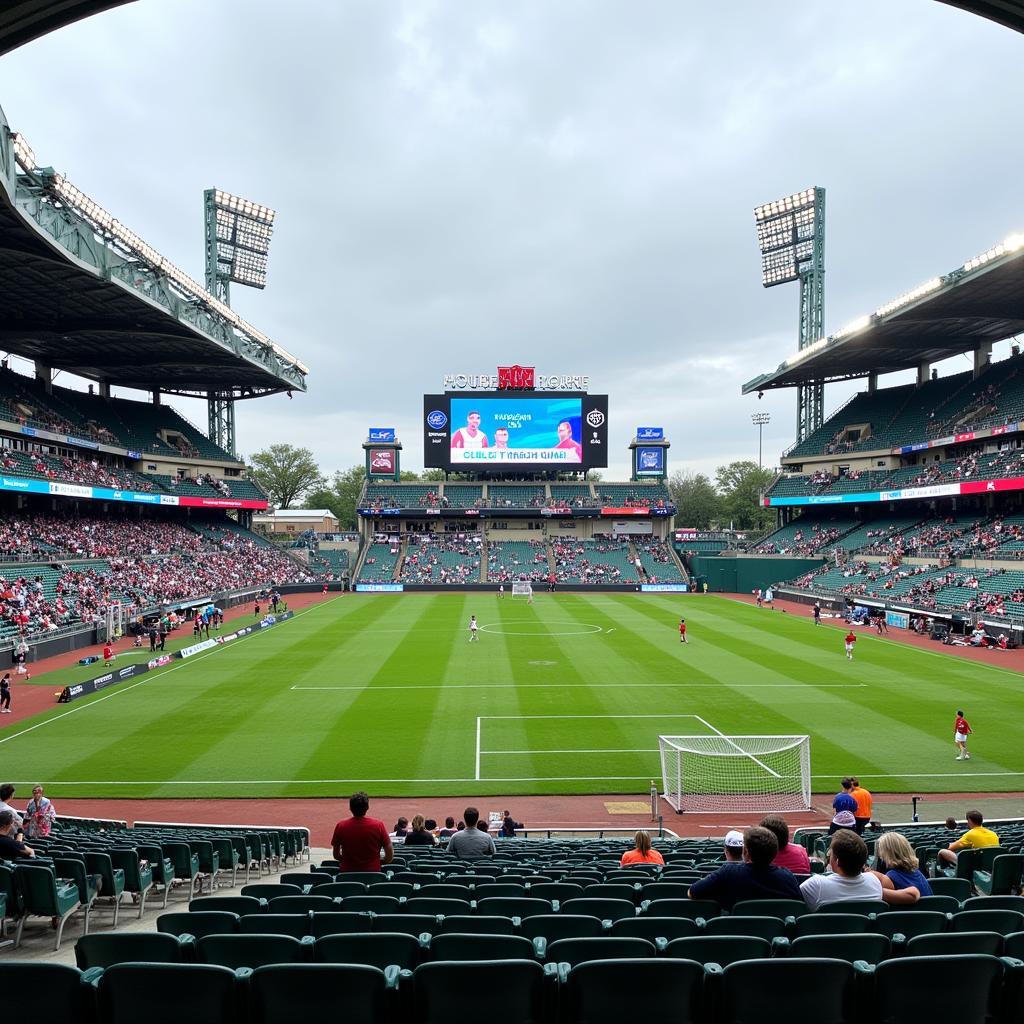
[717,773]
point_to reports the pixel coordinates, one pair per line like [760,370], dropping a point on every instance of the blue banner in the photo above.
[650,461]
[382,433]
[650,433]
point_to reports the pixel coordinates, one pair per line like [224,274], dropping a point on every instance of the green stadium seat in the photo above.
[373,949]
[480,892]
[466,947]
[956,944]
[853,907]
[185,863]
[236,951]
[160,866]
[199,923]
[303,904]
[578,951]
[64,998]
[368,877]
[372,904]
[561,926]
[43,896]
[944,904]
[168,994]
[605,909]
[295,925]
[340,922]
[719,949]
[269,890]
[315,992]
[921,990]
[769,908]
[338,890]
[479,924]
[867,946]
[789,989]
[613,991]
[411,924]
[440,907]
[733,924]
[683,908]
[556,891]
[959,888]
[1013,945]
[652,891]
[516,906]
[659,930]
[606,891]
[1003,879]
[519,984]
[105,950]
[822,923]
[239,905]
[138,880]
[910,923]
[399,890]
[1002,921]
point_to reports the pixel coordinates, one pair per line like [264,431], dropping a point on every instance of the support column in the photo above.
[104,389]
[44,374]
[873,383]
[923,373]
[982,357]
[222,421]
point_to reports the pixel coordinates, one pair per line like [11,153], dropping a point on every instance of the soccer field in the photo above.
[567,695]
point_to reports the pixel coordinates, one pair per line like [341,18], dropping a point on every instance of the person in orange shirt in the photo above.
[862,815]
[643,853]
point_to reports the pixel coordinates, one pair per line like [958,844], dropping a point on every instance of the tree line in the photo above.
[291,478]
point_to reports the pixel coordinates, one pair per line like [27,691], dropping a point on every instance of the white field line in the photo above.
[545,778]
[586,686]
[149,678]
[478,747]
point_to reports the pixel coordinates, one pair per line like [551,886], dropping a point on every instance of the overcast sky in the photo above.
[568,184]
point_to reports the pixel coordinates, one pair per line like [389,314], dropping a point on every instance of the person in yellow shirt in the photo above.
[975,838]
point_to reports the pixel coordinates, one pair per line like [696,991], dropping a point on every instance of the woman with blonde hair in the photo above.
[642,853]
[896,865]
[419,836]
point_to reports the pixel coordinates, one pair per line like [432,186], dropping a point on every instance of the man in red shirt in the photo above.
[961,730]
[850,639]
[357,841]
[682,632]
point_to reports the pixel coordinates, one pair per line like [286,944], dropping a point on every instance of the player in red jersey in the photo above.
[682,632]
[961,730]
[850,639]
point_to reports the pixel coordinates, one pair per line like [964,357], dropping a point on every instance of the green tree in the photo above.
[432,475]
[741,485]
[697,502]
[347,485]
[285,473]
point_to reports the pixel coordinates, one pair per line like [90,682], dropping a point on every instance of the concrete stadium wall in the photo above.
[744,574]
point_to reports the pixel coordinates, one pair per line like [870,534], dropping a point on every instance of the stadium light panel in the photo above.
[242,235]
[908,297]
[23,152]
[785,236]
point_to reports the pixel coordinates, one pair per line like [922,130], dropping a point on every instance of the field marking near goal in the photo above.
[519,718]
[373,688]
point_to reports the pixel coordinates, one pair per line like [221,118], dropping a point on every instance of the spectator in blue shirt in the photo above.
[753,878]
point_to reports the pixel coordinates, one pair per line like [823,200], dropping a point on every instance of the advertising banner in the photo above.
[1015,483]
[87,686]
[382,434]
[650,461]
[901,620]
[380,588]
[382,461]
[69,490]
[650,433]
[664,588]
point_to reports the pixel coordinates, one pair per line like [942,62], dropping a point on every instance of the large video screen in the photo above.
[487,431]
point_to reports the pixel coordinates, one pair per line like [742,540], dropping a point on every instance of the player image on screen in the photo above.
[501,437]
[470,436]
[565,440]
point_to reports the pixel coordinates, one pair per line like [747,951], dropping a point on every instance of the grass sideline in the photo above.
[567,695]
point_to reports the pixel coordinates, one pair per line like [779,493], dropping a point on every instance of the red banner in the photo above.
[1013,483]
[630,511]
[516,378]
[219,502]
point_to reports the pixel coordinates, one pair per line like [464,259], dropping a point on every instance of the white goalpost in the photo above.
[522,588]
[736,773]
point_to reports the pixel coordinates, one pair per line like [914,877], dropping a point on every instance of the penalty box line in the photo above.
[518,718]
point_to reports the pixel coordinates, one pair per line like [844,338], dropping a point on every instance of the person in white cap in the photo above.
[754,877]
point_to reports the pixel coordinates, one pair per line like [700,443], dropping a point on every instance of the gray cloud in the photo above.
[568,185]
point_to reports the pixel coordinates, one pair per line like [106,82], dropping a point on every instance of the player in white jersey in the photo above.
[501,590]
[472,628]
[470,436]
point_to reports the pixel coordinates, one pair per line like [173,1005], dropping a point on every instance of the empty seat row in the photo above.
[828,991]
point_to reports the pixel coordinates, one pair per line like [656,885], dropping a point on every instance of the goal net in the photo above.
[522,589]
[736,773]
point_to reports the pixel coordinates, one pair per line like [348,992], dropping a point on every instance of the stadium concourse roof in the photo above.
[977,304]
[21,21]
[1006,12]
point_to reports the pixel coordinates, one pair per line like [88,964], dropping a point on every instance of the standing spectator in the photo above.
[754,877]
[471,843]
[162,634]
[509,826]
[357,841]
[844,800]
[39,815]
[790,855]
[152,638]
[862,815]
[5,694]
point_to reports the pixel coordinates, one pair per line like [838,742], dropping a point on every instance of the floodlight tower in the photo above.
[237,244]
[760,419]
[791,234]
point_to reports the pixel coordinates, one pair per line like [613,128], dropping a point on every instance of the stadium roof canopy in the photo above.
[975,305]
[21,21]
[1006,12]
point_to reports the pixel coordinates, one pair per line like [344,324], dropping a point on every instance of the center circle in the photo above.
[542,628]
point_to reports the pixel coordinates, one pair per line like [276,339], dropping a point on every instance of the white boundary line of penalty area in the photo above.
[373,688]
[149,678]
[549,778]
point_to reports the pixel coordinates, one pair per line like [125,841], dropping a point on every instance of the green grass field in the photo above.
[567,695]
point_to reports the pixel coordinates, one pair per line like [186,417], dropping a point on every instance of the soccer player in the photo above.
[961,730]
[682,632]
[817,613]
[472,628]
[501,590]
[850,639]
[108,653]
[565,440]
[470,436]
[324,594]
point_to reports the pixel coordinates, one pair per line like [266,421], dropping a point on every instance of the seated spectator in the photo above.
[642,852]
[756,877]
[401,829]
[847,857]
[472,843]
[11,838]
[896,865]
[790,856]
[418,835]
[449,828]
[975,838]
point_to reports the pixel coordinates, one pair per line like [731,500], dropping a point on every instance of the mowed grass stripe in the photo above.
[225,723]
